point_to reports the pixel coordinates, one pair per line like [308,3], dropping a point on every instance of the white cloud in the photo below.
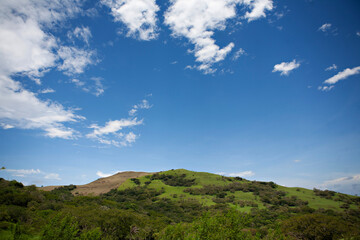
[130,138]
[22,172]
[99,88]
[6,126]
[26,173]
[238,174]
[332,67]
[28,48]
[75,60]
[258,8]
[52,176]
[82,33]
[325,88]
[239,53]
[197,20]
[349,184]
[358,34]
[22,109]
[143,105]
[297,160]
[286,67]
[112,127]
[139,16]
[47,90]
[112,134]
[343,75]
[66,133]
[103,175]
[77,82]
[325,27]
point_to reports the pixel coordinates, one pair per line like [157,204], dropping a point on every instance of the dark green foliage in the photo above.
[61,228]
[317,226]
[324,193]
[174,180]
[266,191]
[231,225]
[136,181]
[141,212]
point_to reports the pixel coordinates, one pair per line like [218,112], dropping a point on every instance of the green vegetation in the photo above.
[179,204]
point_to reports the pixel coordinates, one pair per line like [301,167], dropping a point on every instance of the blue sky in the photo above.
[263,89]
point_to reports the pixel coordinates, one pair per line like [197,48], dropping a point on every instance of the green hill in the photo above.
[178,204]
[210,189]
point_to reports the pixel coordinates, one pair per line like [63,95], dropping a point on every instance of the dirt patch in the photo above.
[102,185]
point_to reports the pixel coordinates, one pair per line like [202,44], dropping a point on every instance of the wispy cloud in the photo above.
[332,67]
[139,16]
[103,175]
[82,33]
[47,90]
[349,184]
[31,173]
[325,27]
[325,88]
[239,53]
[328,28]
[197,20]
[143,105]
[238,174]
[343,75]
[286,67]
[53,176]
[75,60]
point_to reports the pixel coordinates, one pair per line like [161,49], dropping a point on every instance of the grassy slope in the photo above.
[203,178]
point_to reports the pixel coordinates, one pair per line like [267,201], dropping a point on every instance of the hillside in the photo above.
[176,204]
[101,185]
[210,189]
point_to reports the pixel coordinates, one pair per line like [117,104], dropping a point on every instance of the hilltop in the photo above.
[176,204]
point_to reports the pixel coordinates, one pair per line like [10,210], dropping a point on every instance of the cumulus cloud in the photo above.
[197,20]
[29,49]
[258,8]
[139,16]
[332,67]
[325,27]
[238,174]
[343,75]
[349,184]
[286,67]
